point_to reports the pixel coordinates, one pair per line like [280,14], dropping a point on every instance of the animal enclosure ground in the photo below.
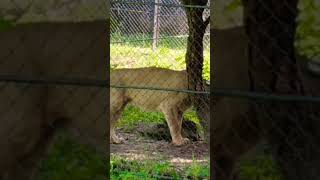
[145,147]
[127,51]
[158,158]
[138,147]
[256,165]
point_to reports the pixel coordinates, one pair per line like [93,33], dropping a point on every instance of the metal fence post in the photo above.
[155,25]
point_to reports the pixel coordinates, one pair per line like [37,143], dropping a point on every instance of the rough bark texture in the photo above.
[290,128]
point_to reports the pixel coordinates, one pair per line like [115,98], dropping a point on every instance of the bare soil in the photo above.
[137,147]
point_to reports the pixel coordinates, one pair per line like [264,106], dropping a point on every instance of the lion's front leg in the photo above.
[114,139]
[174,120]
[117,105]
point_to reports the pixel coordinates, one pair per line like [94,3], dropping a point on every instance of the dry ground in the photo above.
[138,147]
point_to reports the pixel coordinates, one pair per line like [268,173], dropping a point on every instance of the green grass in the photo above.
[260,167]
[170,53]
[152,170]
[132,116]
[197,171]
[4,24]
[308,34]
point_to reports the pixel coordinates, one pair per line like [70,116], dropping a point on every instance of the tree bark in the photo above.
[288,127]
[194,60]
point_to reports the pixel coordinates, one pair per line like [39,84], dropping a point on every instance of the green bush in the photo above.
[308,30]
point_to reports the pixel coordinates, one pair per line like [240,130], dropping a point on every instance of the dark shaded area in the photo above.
[236,129]
[161,131]
[290,128]
[30,112]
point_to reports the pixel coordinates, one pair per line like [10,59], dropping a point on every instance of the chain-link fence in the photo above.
[153,123]
[53,92]
[269,135]
[52,78]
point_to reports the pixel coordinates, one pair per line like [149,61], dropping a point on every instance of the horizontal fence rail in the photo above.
[104,84]
[237,93]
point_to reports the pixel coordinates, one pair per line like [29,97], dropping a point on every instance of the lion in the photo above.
[172,104]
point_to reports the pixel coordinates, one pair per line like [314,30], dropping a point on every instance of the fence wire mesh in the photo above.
[151,111]
[53,91]
[50,76]
[273,134]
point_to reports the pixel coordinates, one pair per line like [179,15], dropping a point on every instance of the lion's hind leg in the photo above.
[118,102]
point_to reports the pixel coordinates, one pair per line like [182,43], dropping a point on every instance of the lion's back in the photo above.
[152,86]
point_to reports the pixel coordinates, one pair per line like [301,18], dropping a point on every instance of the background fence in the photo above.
[154,34]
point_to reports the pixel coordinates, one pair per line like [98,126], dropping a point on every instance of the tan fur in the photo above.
[172,104]
[29,114]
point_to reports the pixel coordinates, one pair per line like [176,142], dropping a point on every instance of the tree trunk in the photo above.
[289,127]
[194,60]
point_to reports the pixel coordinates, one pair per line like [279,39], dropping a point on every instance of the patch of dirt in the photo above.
[137,147]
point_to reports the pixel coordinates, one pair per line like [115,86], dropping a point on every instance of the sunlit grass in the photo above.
[169,54]
[151,170]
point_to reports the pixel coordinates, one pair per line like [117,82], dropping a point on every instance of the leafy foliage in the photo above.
[308,30]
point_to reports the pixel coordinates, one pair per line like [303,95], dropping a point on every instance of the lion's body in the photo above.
[172,104]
